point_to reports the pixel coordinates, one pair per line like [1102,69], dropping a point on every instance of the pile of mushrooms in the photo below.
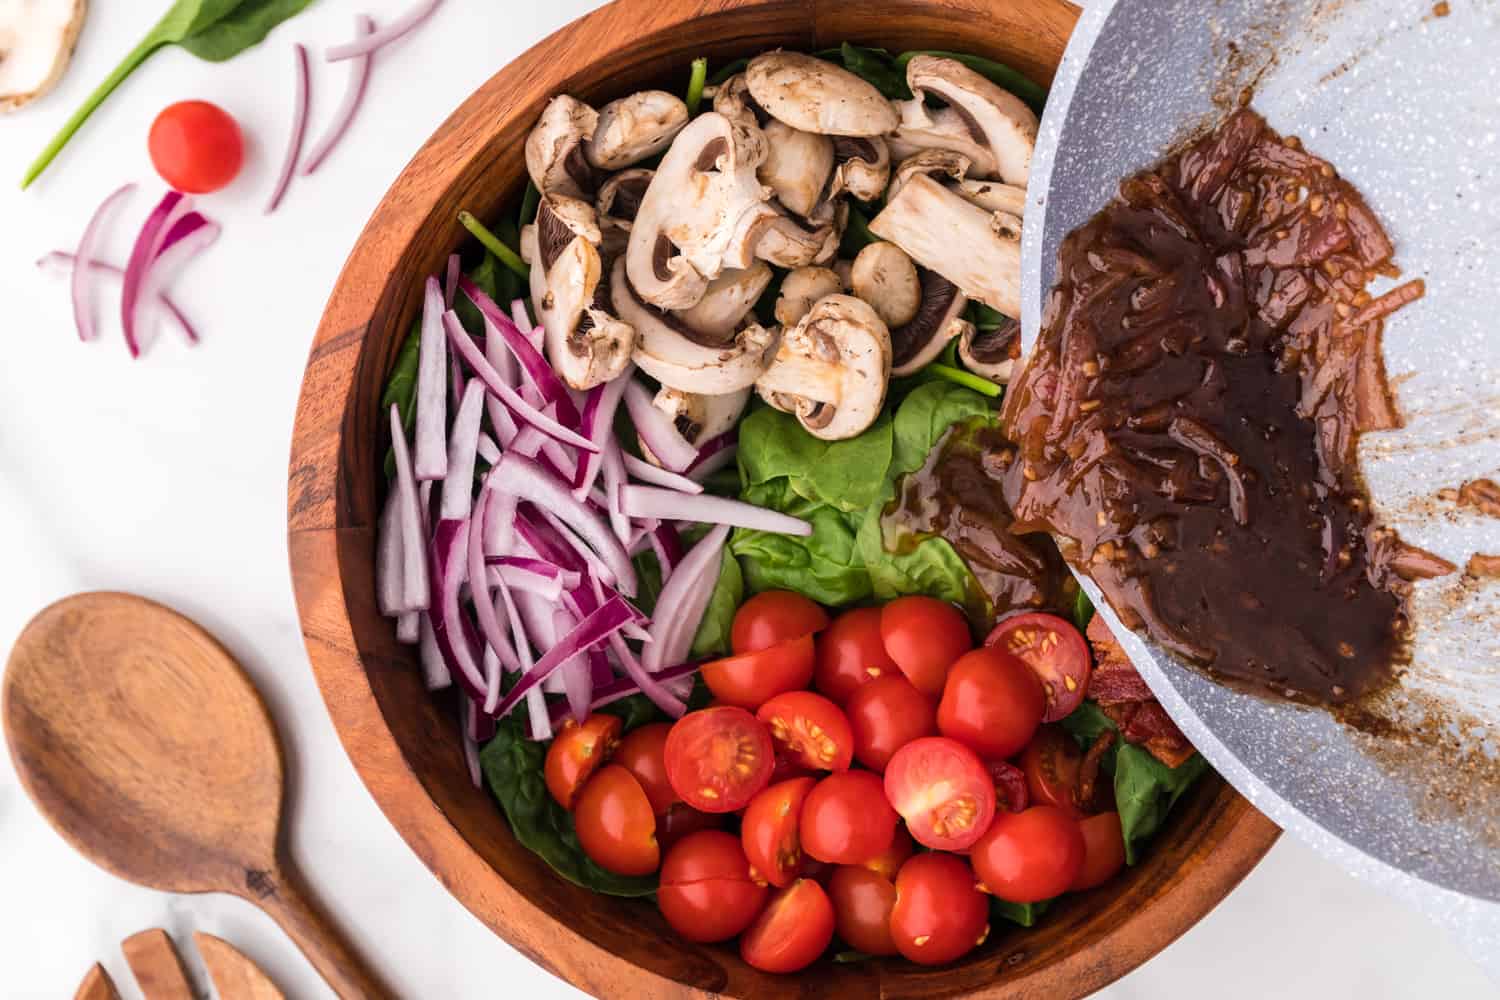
[663,266]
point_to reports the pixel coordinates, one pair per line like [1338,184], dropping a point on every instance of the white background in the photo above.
[166,477]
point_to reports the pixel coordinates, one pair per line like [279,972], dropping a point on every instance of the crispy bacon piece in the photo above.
[1086,793]
[1123,695]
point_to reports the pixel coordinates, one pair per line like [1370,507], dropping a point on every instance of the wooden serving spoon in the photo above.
[143,742]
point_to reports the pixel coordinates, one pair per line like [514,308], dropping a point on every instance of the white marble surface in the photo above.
[167,477]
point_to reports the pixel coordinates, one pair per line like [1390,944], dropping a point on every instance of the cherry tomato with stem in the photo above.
[1055,651]
[577,751]
[943,791]
[768,832]
[862,904]
[885,715]
[615,824]
[1029,856]
[846,819]
[643,752]
[749,680]
[924,636]
[196,146]
[773,617]
[810,730]
[851,652]
[992,703]
[706,892]
[1051,762]
[1103,850]
[718,758]
[939,914]
[792,931]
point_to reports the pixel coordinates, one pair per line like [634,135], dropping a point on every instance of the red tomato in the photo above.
[924,636]
[1010,786]
[1029,856]
[809,730]
[1051,762]
[769,832]
[1057,653]
[615,824]
[642,752]
[992,703]
[1103,850]
[787,768]
[889,861]
[576,753]
[680,820]
[846,819]
[792,931]
[196,146]
[862,903]
[851,652]
[749,680]
[939,913]
[773,617]
[706,892]
[718,758]
[942,790]
[885,715]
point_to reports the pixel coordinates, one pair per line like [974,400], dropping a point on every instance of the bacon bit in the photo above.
[1117,683]
[1389,302]
[1087,789]
[1125,699]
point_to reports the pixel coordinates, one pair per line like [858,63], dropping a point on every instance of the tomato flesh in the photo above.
[862,904]
[809,730]
[196,146]
[768,832]
[851,652]
[615,824]
[643,752]
[1029,856]
[846,819]
[1055,650]
[718,758]
[706,892]
[942,790]
[1051,762]
[939,914]
[749,680]
[1010,786]
[792,931]
[885,715]
[772,617]
[992,703]
[577,751]
[1103,850]
[924,636]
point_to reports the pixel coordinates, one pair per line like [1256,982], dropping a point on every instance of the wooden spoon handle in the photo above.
[291,904]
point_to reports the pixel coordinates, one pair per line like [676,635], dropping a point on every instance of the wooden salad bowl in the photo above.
[404,741]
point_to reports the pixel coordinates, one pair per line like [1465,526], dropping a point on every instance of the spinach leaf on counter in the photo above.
[249,24]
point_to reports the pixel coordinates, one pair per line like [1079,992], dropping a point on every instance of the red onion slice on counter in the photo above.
[657,430]
[653,501]
[354,95]
[62,264]
[300,101]
[148,243]
[80,283]
[382,37]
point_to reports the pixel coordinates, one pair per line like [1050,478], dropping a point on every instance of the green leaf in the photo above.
[877,68]
[1086,722]
[635,711]
[488,275]
[401,387]
[695,85]
[1025,914]
[1083,610]
[845,474]
[494,244]
[985,318]
[825,566]
[712,638]
[857,233]
[926,415]
[1034,94]
[251,23]
[728,70]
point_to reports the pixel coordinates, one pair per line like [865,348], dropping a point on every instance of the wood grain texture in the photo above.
[144,744]
[97,985]
[402,740]
[156,965]
[235,977]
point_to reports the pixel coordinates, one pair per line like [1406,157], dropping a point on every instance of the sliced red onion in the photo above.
[450,282]
[354,95]
[667,545]
[661,696]
[434,669]
[537,567]
[620,688]
[414,575]
[463,449]
[598,425]
[409,627]
[186,225]
[299,129]
[522,318]
[390,592]
[597,567]
[450,548]
[653,501]
[142,255]
[62,264]
[432,391]
[495,634]
[578,682]
[470,745]
[545,541]
[680,606]
[523,410]
[80,288]
[580,602]
[548,588]
[714,455]
[535,367]
[655,474]
[614,482]
[187,237]
[657,430]
[595,628]
[367,44]
[522,648]
[487,449]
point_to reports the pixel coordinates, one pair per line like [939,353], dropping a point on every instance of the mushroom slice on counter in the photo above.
[728,300]
[939,319]
[814,95]
[991,354]
[585,342]
[732,100]
[994,117]
[864,167]
[831,369]
[633,128]
[554,149]
[978,251]
[678,356]
[797,166]
[885,277]
[800,291]
[702,212]
[36,43]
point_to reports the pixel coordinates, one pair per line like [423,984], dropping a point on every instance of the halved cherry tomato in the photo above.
[885,715]
[862,903]
[616,827]
[809,729]
[846,819]
[889,861]
[939,914]
[924,636]
[706,892]
[992,703]
[576,753]
[1103,850]
[942,790]
[680,820]
[772,617]
[718,758]
[196,146]
[769,831]
[1029,856]
[851,652]
[787,768]
[792,931]
[749,680]
[1051,762]
[1010,786]
[1055,650]
[643,752]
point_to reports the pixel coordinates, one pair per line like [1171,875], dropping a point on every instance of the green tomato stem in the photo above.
[695,85]
[495,245]
[965,379]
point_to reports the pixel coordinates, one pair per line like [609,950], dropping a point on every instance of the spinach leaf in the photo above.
[1025,914]
[825,566]
[712,638]
[489,276]
[1034,94]
[876,67]
[1086,722]
[925,416]
[635,711]
[845,474]
[401,388]
[1083,610]
[211,29]
[857,233]
[985,318]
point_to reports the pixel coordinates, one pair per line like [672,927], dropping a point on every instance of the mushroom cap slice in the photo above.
[701,418]
[991,354]
[801,289]
[832,368]
[37,38]
[864,167]
[924,128]
[678,356]
[885,277]
[814,95]
[554,149]
[797,166]
[729,299]
[633,128]
[785,242]
[733,100]
[994,196]
[978,251]
[620,198]
[700,212]
[993,116]
[936,163]
[939,319]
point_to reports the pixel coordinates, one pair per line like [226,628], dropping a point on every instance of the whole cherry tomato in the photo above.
[772,617]
[851,652]
[769,832]
[718,758]
[939,914]
[792,931]
[809,729]
[196,146]
[749,680]
[1029,856]
[846,819]
[643,752]
[924,636]
[889,861]
[1055,650]
[992,703]
[576,753]
[885,715]
[706,892]
[616,827]
[1103,850]
[862,904]
[943,791]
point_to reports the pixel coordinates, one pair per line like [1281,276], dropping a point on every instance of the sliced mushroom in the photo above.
[994,196]
[733,101]
[681,357]
[797,167]
[729,299]
[831,369]
[935,163]
[618,202]
[939,319]
[801,289]
[991,354]
[585,342]
[864,167]
[701,418]
[978,251]
[814,95]
[993,116]
[36,43]
[633,128]
[786,242]
[887,279]
[554,149]
[702,212]
[923,128]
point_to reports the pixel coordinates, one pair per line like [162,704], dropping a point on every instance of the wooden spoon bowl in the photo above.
[404,742]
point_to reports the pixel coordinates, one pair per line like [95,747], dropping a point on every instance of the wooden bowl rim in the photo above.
[317,526]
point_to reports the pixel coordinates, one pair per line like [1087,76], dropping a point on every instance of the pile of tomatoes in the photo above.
[841,747]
